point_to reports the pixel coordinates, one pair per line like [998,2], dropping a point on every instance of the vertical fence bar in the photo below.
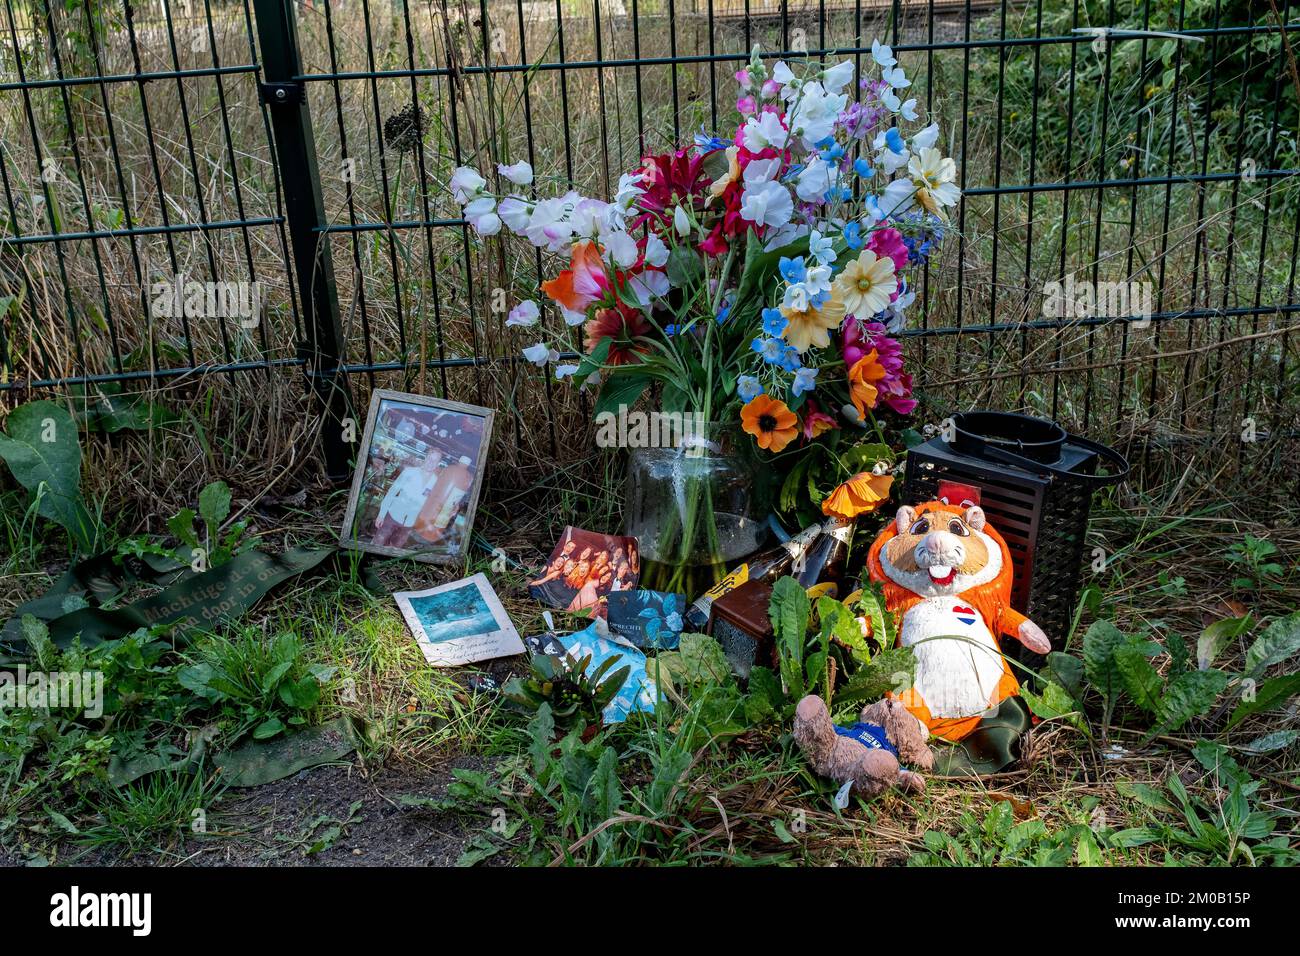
[295,153]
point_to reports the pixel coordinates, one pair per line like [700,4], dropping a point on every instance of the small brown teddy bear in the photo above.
[869,752]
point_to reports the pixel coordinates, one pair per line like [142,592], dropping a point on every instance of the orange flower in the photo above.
[860,495]
[583,283]
[862,382]
[771,423]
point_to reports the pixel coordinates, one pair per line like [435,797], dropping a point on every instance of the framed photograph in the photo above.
[584,568]
[419,473]
[459,623]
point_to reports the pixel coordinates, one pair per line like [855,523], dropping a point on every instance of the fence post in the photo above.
[295,149]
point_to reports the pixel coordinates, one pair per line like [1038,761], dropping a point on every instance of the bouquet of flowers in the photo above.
[755,278]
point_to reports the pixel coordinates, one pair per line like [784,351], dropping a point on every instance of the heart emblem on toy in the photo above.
[965,614]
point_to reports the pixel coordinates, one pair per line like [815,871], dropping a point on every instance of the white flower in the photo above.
[821,248]
[817,279]
[647,286]
[763,131]
[761,170]
[891,101]
[514,212]
[934,176]
[837,77]
[766,204]
[908,110]
[621,248]
[488,224]
[539,354]
[681,222]
[656,251]
[926,138]
[520,173]
[813,180]
[890,162]
[480,207]
[564,371]
[570,317]
[882,54]
[816,113]
[524,314]
[466,183]
[895,77]
[784,77]
[548,227]
[898,198]
[628,191]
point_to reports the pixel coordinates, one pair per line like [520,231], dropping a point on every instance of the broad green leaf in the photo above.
[1279,642]
[1068,672]
[1217,636]
[214,503]
[1099,646]
[40,446]
[1140,679]
[621,389]
[1189,695]
[789,611]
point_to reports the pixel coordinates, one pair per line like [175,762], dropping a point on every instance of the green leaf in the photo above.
[1278,740]
[40,446]
[1055,701]
[1140,679]
[1099,665]
[268,728]
[1067,671]
[1279,642]
[214,503]
[1217,636]
[893,669]
[789,611]
[622,389]
[1189,695]
[181,525]
[1271,693]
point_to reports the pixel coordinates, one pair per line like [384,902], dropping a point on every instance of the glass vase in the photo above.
[694,507]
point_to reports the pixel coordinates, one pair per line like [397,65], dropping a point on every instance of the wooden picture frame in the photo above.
[398,520]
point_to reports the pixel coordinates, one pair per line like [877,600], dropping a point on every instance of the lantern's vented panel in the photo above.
[1042,517]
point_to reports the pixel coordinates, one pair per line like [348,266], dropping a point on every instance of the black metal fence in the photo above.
[1150,144]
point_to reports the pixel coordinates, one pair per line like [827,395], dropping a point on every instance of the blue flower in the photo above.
[770,349]
[793,270]
[894,140]
[853,235]
[774,323]
[805,380]
[671,329]
[748,388]
[863,168]
[724,313]
[789,360]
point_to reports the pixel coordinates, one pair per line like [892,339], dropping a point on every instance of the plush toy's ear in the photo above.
[903,520]
[974,516]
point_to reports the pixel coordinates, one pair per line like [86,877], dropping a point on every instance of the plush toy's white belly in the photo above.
[957,672]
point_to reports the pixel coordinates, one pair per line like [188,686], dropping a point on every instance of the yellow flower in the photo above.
[866,284]
[811,326]
[771,423]
[861,494]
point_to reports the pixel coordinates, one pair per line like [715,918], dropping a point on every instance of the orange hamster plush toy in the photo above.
[947,580]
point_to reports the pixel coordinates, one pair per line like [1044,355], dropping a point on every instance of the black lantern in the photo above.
[1035,483]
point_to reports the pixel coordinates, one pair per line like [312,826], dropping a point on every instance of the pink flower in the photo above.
[816,422]
[860,339]
[771,88]
[742,77]
[889,242]
[746,106]
[716,243]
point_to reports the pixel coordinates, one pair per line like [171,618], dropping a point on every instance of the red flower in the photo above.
[622,325]
[669,180]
